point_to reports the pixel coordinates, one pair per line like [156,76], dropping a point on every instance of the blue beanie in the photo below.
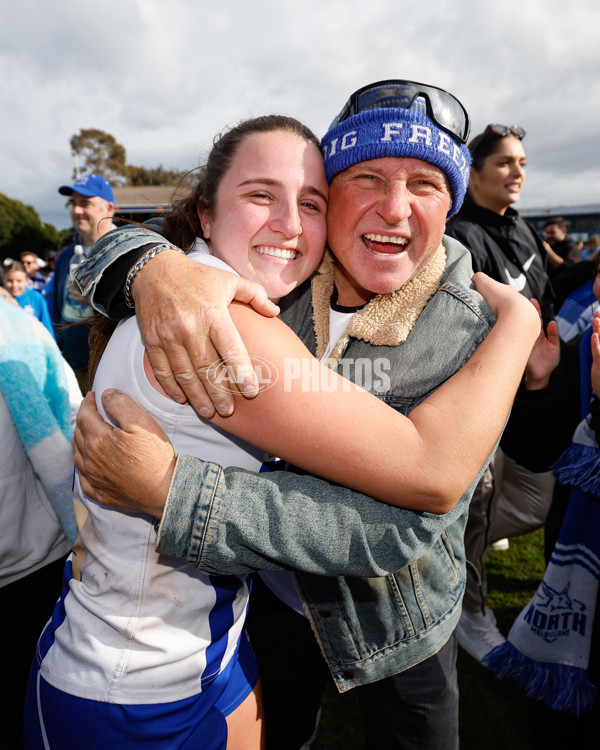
[397,132]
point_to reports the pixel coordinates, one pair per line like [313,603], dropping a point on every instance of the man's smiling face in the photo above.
[386,219]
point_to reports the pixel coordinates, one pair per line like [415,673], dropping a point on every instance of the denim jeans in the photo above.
[417,708]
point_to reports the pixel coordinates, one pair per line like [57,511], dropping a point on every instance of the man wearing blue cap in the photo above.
[398,166]
[91,206]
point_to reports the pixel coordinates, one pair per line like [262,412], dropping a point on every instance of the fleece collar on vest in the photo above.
[387,319]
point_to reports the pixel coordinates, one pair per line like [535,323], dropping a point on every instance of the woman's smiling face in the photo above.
[500,180]
[269,219]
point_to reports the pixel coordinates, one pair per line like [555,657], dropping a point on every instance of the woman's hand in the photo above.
[595,344]
[544,357]
[182,311]
[129,466]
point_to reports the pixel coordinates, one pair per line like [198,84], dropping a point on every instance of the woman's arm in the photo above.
[312,417]
[425,461]
[193,327]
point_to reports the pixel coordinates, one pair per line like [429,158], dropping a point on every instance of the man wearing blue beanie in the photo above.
[372,126]
[398,167]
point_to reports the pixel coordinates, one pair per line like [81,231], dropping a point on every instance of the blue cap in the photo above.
[392,132]
[91,185]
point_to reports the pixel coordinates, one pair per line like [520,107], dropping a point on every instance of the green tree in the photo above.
[98,152]
[22,229]
[153,175]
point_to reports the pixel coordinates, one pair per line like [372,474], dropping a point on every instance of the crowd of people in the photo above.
[231,545]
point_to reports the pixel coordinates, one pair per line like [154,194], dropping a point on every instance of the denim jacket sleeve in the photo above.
[232,521]
[109,248]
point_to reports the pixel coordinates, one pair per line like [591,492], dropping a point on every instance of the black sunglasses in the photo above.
[499,130]
[443,108]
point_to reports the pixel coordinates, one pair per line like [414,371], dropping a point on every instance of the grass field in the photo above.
[493,714]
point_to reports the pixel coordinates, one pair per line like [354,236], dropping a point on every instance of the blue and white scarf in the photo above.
[548,647]
[576,312]
[33,383]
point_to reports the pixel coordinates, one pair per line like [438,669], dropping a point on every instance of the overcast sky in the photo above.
[164,77]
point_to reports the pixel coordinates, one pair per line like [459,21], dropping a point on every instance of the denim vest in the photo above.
[382,585]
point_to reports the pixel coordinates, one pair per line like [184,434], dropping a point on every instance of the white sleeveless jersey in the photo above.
[133,626]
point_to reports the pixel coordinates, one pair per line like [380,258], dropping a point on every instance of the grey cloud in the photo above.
[164,78]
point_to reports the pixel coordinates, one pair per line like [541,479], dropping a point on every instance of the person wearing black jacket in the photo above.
[509,500]
[506,247]
[502,244]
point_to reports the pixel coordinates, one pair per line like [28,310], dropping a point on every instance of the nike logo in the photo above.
[519,282]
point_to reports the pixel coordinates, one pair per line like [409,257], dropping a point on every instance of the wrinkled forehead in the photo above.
[398,168]
[398,165]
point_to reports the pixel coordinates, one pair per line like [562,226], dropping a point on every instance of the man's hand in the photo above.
[129,466]
[182,310]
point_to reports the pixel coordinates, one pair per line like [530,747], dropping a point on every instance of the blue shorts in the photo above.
[55,720]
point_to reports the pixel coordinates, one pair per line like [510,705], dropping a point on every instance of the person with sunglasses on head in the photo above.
[502,243]
[379,587]
[509,500]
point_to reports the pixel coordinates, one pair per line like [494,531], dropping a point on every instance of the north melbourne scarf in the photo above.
[548,647]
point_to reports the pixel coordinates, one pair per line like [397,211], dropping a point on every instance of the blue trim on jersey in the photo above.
[272,463]
[220,621]
[58,616]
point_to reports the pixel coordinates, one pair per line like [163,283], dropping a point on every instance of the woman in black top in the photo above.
[501,243]
[509,500]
